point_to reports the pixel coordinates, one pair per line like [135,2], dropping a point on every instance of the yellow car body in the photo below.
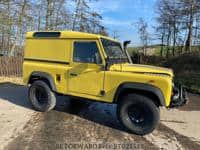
[53,56]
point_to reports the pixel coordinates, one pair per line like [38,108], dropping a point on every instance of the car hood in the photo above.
[135,68]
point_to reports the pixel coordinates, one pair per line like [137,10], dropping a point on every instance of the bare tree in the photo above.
[22,5]
[178,17]
[19,16]
[189,9]
[115,34]
[168,20]
[86,20]
[144,35]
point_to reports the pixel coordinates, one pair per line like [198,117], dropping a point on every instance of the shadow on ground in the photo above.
[70,121]
[101,113]
[16,94]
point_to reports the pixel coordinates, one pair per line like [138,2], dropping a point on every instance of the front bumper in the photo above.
[179,96]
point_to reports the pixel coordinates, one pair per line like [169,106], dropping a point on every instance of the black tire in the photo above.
[41,96]
[138,114]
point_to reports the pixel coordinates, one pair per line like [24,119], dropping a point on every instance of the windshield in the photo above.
[114,51]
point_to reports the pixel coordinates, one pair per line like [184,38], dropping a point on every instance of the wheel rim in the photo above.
[138,115]
[41,95]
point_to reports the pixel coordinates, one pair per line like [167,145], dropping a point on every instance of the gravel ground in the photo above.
[88,122]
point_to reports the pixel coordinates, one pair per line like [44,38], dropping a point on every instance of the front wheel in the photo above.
[41,96]
[138,114]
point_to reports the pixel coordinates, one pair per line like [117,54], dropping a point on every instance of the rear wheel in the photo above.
[41,96]
[138,114]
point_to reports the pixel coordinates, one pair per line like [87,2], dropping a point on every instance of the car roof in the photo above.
[66,34]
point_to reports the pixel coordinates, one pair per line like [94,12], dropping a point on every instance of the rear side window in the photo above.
[86,52]
[46,34]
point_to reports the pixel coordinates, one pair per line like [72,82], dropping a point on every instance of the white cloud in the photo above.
[114,22]
[103,6]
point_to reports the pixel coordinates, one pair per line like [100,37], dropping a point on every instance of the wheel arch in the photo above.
[46,77]
[140,88]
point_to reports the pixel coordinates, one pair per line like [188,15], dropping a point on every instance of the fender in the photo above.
[141,87]
[43,75]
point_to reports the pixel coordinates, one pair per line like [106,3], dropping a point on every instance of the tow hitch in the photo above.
[179,97]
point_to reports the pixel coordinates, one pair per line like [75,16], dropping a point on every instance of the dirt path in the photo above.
[94,123]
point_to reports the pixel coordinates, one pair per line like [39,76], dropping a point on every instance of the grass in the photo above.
[187,70]
[134,50]
[157,48]
[191,82]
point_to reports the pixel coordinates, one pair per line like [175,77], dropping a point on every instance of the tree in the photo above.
[144,35]
[168,20]
[189,10]
[86,20]
[178,22]
[115,34]
[19,16]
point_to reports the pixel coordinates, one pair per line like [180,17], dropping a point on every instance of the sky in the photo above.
[120,16]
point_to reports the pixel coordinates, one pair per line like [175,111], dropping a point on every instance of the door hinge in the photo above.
[102,92]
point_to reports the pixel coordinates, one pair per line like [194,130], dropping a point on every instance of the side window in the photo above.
[86,52]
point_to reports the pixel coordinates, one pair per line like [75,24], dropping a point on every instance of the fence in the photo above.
[11,66]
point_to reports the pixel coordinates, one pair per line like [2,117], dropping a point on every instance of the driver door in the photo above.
[86,73]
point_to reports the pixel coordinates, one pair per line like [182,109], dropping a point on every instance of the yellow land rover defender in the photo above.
[94,67]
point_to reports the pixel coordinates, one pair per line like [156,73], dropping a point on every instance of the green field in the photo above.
[157,49]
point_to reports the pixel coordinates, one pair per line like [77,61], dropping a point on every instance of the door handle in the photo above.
[73,74]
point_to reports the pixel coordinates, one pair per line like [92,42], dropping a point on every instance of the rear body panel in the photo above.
[53,69]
